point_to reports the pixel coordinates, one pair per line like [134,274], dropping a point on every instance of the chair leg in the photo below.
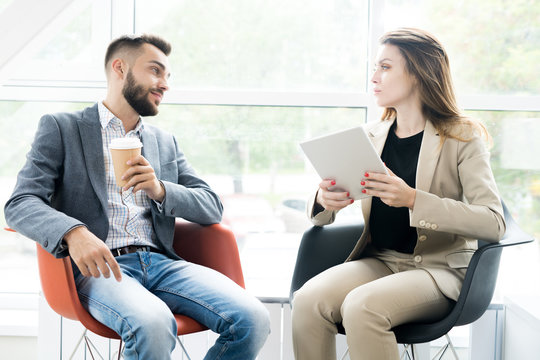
[83,335]
[120,350]
[345,355]
[90,345]
[452,347]
[183,348]
[406,352]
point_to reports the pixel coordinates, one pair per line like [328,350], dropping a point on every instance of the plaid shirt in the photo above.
[130,219]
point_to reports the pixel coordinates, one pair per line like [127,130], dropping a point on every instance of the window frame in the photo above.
[122,18]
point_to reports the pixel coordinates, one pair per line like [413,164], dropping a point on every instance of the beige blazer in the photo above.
[456,203]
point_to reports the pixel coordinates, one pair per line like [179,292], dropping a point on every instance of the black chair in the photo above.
[324,247]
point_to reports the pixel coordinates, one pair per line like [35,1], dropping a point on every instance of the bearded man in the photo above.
[67,199]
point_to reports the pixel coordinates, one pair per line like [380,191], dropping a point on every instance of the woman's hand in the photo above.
[391,189]
[332,200]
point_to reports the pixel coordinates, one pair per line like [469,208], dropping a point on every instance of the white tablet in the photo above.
[344,156]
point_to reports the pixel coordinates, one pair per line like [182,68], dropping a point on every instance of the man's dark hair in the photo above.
[131,42]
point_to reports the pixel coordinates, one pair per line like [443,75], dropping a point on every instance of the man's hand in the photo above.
[391,189]
[91,255]
[141,176]
[332,200]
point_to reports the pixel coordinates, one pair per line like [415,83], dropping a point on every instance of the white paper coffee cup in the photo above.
[122,150]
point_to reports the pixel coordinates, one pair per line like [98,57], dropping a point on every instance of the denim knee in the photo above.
[150,334]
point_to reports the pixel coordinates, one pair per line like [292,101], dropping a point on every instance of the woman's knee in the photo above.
[363,308]
[308,296]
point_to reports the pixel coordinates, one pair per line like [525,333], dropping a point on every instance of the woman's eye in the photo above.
[385,67]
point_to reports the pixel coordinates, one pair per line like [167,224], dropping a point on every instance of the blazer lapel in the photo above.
[430,150]
[92,144]
[377,135]
[150,150]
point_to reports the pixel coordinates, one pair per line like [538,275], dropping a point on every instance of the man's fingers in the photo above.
[138,160]
[83,269]
[103,268]
[93,269]
[115,268]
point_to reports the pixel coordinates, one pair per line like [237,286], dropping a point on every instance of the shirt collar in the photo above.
[106,117]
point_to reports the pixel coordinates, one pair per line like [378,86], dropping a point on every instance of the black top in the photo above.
[389,226]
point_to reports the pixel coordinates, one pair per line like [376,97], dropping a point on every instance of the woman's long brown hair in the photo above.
[428,63]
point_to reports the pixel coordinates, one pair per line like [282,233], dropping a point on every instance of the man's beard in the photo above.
[137,96]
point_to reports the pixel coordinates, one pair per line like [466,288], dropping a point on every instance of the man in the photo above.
[67,199]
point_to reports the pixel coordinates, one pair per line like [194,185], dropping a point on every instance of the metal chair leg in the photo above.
[406,352]
[344,355]
[183,348]
[78,344]
[91,347]
[452,347]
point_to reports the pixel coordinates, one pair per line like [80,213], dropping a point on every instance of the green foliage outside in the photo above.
[308,46]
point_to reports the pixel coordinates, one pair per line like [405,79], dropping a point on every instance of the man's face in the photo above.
[146,81]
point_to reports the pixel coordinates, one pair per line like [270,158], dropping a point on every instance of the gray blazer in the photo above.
[62,185]
[456,203]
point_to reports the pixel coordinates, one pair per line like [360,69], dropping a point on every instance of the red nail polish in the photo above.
[333,182]
[362,182]
[352,200]
[348,194]
[363,191]
[366,175]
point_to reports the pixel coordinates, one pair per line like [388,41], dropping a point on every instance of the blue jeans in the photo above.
[140,308]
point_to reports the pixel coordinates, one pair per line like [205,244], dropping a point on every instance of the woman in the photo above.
[422,219]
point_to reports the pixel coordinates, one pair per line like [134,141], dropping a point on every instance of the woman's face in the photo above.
[392,84]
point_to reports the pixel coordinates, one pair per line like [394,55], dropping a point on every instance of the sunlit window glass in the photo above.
[493,44]
[310,44]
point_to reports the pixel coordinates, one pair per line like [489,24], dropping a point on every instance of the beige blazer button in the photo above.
[422,223]
[428,225]
[422,237]
[434,226]
[418,259]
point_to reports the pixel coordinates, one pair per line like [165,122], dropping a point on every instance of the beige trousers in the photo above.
[369,296]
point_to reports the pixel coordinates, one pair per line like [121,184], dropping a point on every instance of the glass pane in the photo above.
[18,266]
[516,164]
[4,4]
[310,44]
[501,40]
[76,50]
[250,156]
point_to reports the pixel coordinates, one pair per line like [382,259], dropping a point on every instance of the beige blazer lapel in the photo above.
[430,150]
[377,134]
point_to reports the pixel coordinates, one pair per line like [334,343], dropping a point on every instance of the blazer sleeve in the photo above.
[479,215]
[190,197]
[29,209]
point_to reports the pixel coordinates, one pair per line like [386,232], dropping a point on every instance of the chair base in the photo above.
[92,348]
[410,354]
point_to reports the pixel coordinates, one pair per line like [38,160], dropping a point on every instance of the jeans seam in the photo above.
[110,311]
[203,304]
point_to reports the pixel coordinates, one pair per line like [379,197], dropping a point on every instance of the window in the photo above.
[18,266]
[257,44]
[251,79]
[250,156]
[493,45]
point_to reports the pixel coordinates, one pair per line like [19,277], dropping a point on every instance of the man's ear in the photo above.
[119,68]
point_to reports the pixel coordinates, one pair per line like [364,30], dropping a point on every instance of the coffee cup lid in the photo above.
[125,143]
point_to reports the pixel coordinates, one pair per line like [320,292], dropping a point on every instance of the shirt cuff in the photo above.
[161,205]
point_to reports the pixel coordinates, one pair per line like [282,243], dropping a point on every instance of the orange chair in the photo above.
[213,246]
